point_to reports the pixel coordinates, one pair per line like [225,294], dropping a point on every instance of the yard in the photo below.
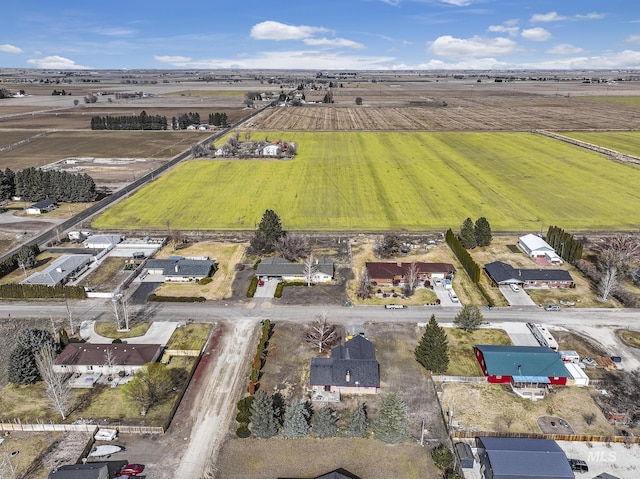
[462,360]
[108,329]
[107,276]
[30,447]
[43,260]
[585,347]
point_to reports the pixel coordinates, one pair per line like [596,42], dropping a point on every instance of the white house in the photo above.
[40,207]
[102,241]
[280,268]
[536,247]
[271,150]
[62,270]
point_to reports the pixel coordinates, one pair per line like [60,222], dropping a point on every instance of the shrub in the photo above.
[243,431]
[255,265]
[278,292]
[442,456]
[252,287]
[176,299]
[206,280]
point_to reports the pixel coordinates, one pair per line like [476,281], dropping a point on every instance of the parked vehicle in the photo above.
[395,306]
[552,307]
[578,465]
[515,288]
[106,435]
[130,470]
[616,359]
[447,284]
[453,296]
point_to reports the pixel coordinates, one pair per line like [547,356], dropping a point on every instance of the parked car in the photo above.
[260,282]
[395,306]
[515,288]
[453,296]
[552,307]
[616,359]
[578,465]
[130,470]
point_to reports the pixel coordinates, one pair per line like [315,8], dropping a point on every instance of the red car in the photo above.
[130,470]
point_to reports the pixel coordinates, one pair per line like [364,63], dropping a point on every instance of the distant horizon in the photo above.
[356,35]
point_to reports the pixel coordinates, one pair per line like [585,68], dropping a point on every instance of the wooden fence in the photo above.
[555,437]
[90,428]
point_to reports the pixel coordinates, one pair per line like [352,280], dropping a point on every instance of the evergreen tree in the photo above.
[325,423]
[432,351]
[263,418]
[469,318]
[296,420]
[392,424]
[482,232]
[26,258]
[22,368]
[358,421]
[268,232]
[467,234]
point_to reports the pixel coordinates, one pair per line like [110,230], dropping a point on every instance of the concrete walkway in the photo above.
[158,333]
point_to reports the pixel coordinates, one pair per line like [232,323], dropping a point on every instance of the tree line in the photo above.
[470,266]
[35,184]
[143,121]
[570,249]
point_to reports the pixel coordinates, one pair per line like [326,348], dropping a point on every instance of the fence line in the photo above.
[91,428]
[459,379]
[555,437]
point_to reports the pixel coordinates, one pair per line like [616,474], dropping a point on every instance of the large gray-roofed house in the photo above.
[351,369]
[105,358]
[91,470]
[522,458]
[179,269]
[503,273]
[61,270]
[276,267]
[102,241]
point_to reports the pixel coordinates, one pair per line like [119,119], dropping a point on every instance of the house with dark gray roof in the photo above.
[522,458]
[178,269]
[351,369]
[503,273]
[43,206]
[280,268]
[62,270]
[105,358]
[90,470]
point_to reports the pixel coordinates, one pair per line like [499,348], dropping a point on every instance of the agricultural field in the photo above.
[627,142]
[394,181]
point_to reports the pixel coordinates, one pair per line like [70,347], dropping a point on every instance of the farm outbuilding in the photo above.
[522,458]
[537,248]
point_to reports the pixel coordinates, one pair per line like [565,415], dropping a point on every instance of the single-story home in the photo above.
[280,268]
[180,270]
[102,241]
[90,470]
[351,369]
[108,358]
[336,474]
[40,207]
[521,364]
[522,458]
[62,270]
[396,273]
[503,273]
[536,247]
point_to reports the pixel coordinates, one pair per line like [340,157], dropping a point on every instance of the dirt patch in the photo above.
[554,425]
[334,293]
[585,347]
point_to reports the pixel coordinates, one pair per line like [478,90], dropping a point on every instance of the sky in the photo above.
[321,35]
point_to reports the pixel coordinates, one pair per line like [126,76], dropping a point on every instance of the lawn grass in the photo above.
[630,338]
[621,141]
[190,336]
[394,181]
[29,403]
[108,329]
[463,361]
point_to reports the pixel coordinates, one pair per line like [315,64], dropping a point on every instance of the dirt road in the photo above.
[216,406]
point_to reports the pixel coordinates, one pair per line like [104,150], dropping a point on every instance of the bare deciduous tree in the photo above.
[293,246]
[364,285]
[620,252]
[411,280]
[310,269]
[321,334]
[608,282]
[109,360]
[57,388]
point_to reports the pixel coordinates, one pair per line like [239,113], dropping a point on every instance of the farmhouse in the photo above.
[64,269]
[178,269]
[102,241]
[271,150]
[522,458]
[503,273]
[41,207]
[396,273]
[280,268]
[351,369]
[539,249]
[107,359]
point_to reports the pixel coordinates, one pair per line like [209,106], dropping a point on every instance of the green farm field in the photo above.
[626,100]
[627,142]
[394,181]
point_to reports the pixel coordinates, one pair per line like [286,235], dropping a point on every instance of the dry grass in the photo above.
[31,446]
[630,338]
[585,347]
[190,336]
[462,359]
[494,407]
[29,403]
[108,329]
[43,260]
[107,276]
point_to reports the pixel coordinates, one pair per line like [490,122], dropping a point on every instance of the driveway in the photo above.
[158,333]
[519,333]
[521,298]
[142,292]
[443,296]
[267,290]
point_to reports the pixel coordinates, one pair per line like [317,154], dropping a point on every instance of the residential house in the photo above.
[522,458]
[106,359]
[337,474]
[396,273]
[62,270]
[272,150]
[102,241]
[280,268]
[351,369]
[179,270]
[539,249]
[503,273]
[41,207]
[90,470]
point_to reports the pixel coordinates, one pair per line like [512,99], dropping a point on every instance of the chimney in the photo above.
[348,377]
[176,268]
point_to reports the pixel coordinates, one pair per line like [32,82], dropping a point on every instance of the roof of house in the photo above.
[526,458]
[59,269]
[606,475]
[463,450]
[505,273]
[89,470]
[536,361]
[390,270]
[93,354]
[43,204]
[103,239]
[356,357]
[179,266]
[276,266]
[535,243]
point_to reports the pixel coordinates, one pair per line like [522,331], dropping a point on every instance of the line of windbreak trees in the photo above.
[143,121]
[34,184]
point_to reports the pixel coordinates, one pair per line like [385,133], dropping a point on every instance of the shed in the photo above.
[578,376]
[465,454]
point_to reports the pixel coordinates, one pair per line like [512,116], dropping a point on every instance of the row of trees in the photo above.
[186,119]
[35,184]
[218,119]
[269,416]
[569,247]
[129,122]
[470,266]
[475,234]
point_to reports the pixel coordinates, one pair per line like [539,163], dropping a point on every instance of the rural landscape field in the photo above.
[394,181]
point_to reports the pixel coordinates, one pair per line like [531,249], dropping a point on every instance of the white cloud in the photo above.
[508,29]
[591,16]
[564,49]
[55,62]
[6,48]
[536,34]
[271,30]
[172,59]
[547,17]
[448,46]
[633,39]
[628,59]
[115,32]
[333,42]
[393,3]
[458,3]
[470,64]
